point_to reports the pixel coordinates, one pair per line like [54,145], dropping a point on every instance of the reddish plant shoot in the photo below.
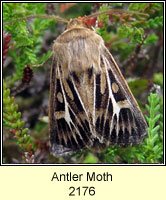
[6,41]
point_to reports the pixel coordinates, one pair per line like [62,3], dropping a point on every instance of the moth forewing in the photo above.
[91,105]
[125,99]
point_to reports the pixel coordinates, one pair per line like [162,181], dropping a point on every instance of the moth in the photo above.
[91,105]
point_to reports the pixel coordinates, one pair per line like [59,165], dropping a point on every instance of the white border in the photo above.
[1,163]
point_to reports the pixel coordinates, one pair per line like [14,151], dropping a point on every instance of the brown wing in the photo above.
[119,119]
[70,126]
[91,105]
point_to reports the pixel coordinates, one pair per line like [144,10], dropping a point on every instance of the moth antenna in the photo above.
[115,11]
[59,19]
[40,65]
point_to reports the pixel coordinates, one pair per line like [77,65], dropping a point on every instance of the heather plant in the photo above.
[134,39]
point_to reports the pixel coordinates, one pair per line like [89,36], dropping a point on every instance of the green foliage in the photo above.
[116,4]
[153,146]
[90,158]
[138,25]
[134,26]
[138,6]
[144,7]
[135,34]
[161,122]
[158,79]
[151,39]
[12,121]
[76,10]
[155,23]
[26,40]
[137,86]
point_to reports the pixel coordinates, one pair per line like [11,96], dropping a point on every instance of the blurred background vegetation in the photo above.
[134,36]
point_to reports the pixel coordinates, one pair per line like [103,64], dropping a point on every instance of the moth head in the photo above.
[77,22]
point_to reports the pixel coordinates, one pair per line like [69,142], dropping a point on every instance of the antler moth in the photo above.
[91,105]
